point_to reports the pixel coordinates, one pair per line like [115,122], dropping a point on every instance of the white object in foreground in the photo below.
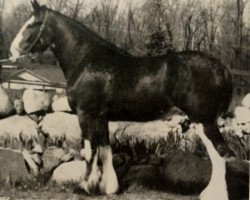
[217,187]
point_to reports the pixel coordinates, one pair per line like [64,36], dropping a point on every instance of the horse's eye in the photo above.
[34,25]
[38,23]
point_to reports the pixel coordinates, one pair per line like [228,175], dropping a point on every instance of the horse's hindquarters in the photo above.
[203,87]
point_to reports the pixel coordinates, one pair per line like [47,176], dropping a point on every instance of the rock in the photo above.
[37,148]
[73,172]
[74,152]
[60,127]
[61,104]
[72,155]
[19,106]
[237,177]
[32,165]
[12,167]
[144,136]
[35,100]
[51,158]
[155,160]
[118,160]
[6,105]
[141,176]
[122,163]
[185,172]
[246,101]
[66,158]
[242,114]
[18,129]
[36,158]
[226,125]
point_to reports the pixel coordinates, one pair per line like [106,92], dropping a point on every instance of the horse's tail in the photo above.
[227,93]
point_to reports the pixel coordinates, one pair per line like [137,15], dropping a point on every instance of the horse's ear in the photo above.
[35,5]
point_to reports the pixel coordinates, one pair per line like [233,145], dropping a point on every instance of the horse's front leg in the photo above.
[96,145]
[108,182]
[89,151]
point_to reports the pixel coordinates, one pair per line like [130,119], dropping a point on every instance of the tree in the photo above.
[69,8]
[158,45]
[234,39]
[107,22]
[2,42]
[14,21]
[189,24]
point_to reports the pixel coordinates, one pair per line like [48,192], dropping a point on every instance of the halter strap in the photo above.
[42,28]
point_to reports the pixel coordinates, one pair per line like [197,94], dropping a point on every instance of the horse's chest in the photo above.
[89,88]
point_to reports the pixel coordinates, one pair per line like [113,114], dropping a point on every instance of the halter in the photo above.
[41,30]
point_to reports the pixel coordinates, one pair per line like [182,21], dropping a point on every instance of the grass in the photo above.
[43,189]
[67,193]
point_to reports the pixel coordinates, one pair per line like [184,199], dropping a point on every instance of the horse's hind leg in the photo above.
[213,133]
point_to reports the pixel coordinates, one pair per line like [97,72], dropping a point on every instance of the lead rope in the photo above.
[11,59]
[42,28]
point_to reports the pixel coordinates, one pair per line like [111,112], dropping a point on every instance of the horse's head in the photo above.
[33,35]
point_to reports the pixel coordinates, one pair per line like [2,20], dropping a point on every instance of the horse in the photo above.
[106,83]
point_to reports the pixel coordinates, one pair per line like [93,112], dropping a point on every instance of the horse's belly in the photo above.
[138,111]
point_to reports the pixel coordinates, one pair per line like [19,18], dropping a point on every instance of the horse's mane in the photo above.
[81,27]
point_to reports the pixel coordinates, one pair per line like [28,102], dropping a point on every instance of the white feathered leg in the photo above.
[94,176]
[109,182]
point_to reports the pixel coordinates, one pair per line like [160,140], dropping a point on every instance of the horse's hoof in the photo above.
[109,183]
[91,186]
[83,185]
[93,181]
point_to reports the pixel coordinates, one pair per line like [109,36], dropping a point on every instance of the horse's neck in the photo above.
[68,44]
[74,46]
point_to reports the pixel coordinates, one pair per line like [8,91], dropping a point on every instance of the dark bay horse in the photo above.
[106,83]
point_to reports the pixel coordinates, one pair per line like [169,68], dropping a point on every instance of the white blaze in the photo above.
[15,45]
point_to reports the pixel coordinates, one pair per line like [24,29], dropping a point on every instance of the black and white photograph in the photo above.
[124,99]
